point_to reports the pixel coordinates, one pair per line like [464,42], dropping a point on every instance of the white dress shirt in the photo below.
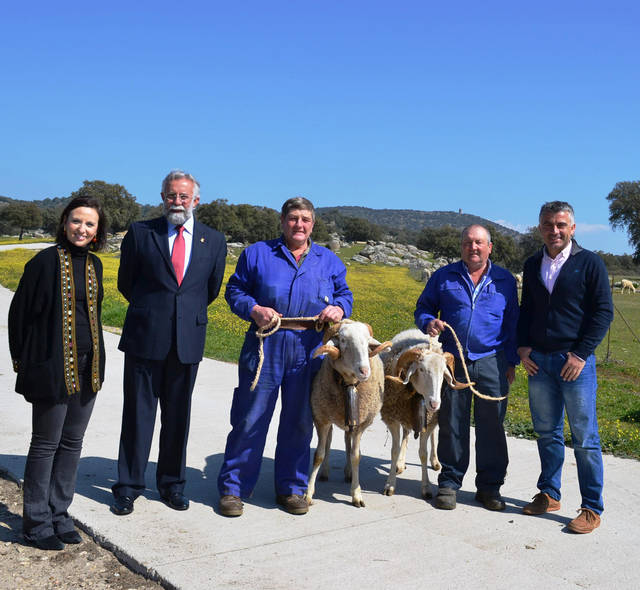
[550,267]
[187,234]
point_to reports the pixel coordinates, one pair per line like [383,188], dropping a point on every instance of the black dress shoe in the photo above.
[490,500]
[176,500]
[122,506]
[51,543]
[70,537]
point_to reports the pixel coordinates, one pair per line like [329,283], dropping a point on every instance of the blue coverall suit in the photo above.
[267,274]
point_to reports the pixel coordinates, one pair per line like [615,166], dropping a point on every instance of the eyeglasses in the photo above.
[175,197]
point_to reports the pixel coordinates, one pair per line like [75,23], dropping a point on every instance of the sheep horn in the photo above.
[369,328]
[331,331]
[406,358]
[379,348]
[332,351]
[449,374]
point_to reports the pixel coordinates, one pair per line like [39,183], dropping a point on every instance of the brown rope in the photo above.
[275,324]
[466,372]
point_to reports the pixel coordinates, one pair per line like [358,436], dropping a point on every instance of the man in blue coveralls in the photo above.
[290,277]
[479,300]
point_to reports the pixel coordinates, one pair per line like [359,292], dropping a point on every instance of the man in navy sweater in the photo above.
[565,312]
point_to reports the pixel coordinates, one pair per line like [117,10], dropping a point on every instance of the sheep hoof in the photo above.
[347,477]
[389,490]
[308,499]
[358,503]
[436,466]
[400,468]
[427,494]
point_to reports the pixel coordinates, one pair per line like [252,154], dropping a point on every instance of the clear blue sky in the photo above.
[492,107]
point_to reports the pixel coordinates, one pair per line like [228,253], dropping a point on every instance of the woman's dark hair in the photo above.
[92,203]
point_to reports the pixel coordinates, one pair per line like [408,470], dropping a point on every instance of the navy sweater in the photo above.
[575,317]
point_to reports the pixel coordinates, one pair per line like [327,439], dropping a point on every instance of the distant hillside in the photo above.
[409,219]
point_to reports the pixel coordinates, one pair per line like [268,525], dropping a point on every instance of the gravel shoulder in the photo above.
[87,565]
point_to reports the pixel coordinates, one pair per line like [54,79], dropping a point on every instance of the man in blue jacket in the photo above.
[565,312]
[479,300]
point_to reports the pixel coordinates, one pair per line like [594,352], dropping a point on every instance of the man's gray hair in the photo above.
[553,207]
[177,175]
[296,203]
[467,229]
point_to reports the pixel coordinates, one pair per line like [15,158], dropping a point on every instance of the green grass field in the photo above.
[385,298]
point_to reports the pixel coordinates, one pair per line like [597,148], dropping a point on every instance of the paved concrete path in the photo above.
[401,541]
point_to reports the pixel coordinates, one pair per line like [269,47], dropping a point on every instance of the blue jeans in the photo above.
[549,396]
[489,374]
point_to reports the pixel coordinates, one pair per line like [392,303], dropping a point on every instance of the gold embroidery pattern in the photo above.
[92,305]
[69,354]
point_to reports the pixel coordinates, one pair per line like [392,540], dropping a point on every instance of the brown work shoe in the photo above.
[585,522]
[230,506]
[293,503]
[540,504]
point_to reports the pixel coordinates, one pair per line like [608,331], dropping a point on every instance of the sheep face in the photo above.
[349,349]
[426,375]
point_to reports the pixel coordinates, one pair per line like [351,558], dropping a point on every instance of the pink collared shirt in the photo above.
[550,267]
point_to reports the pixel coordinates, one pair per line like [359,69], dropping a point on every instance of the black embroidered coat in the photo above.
[42,330]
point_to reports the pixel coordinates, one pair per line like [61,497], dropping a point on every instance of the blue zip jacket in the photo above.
[268,275]
[483,327]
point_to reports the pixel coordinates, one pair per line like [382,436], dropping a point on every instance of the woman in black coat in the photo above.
[55,339]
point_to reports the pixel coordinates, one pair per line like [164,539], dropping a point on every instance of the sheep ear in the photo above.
[376,348]
[327,349]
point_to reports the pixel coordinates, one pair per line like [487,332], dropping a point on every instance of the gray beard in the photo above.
[178,217]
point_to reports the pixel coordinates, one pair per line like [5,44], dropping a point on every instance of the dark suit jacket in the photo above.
[160,312]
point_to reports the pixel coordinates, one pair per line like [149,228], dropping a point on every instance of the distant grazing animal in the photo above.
[347,392]
[627,284]
[415,368]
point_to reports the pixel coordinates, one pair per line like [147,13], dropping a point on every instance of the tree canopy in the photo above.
[21,216]
[119,205]
[624,212]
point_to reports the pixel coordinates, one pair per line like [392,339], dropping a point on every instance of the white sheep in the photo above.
[627,284]
[415,368]
[347,392]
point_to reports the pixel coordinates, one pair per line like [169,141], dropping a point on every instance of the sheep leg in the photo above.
[347,453]
[426,485]
[402,458]
[433,455]
[396,451]
[356,492]
[323,433]
[324,469]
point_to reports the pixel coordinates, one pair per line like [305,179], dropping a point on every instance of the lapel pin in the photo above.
[202,240]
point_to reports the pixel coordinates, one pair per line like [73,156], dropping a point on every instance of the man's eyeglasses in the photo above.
[175,197]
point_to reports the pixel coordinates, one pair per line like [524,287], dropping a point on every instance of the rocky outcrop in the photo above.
[419,262]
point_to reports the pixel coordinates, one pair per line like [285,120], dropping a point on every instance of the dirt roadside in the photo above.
[85,566]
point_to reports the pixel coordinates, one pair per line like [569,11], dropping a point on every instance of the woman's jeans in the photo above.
[52,462]
[549,397]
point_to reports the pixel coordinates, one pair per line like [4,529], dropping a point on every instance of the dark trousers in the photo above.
[489,374]
[145,383]
[52,462]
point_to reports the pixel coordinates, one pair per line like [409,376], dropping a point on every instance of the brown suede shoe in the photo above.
[293,503]
[585,522]
[230,506]
[540,504]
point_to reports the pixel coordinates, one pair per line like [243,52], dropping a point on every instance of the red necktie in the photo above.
[177,255]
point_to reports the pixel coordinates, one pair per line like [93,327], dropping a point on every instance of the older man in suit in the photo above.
[171,269]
